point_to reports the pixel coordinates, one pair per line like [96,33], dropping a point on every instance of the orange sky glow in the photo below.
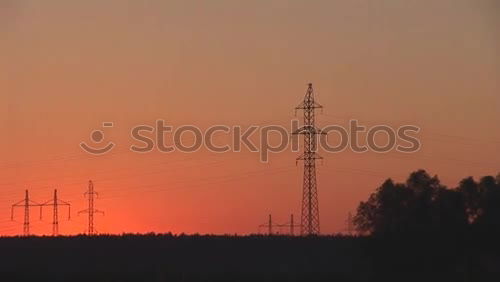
[68,66]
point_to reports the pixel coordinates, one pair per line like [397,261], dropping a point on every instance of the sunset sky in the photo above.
[68,66]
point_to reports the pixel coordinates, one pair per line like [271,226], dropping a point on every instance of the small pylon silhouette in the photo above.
[55,202]
[26,203]
[269,225]
[291,224]
[349,224]
[91,210]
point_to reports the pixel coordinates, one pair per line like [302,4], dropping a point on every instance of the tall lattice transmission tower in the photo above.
[91,210]
[310,205]
[55,202]
[26,204]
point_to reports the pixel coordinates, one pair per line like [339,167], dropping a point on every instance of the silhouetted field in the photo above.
[249,258]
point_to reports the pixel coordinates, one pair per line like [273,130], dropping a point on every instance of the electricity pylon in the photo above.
[26,203]
[290,225]
[310,205]
[91,210]
[349,224]
[55,202]
[269,225]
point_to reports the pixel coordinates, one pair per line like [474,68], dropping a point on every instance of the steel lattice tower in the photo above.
[26,203]
[291,225]
[91,210]
[269,225]
[55,203]
[310,205]
[349,224]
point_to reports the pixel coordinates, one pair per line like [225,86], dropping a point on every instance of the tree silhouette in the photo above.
[470,193]
[386,211]
[422,205]
[488,213]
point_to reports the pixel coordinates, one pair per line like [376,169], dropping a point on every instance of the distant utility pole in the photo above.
[91,210]
[55,202]
[269,225]
[310,205]
[349,224]
[290,225]
[26,203]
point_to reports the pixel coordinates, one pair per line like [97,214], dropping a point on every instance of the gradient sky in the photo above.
[67,66]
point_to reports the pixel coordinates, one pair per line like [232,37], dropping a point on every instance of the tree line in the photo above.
[423,205]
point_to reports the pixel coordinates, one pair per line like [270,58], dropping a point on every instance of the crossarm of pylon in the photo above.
[83,211]
[303,106]
[61,202]
[288,224]
[19,203]
[48,203]
[33,203]
[94,193]
[308,129]
[87,211]
[317,106]
[314,155]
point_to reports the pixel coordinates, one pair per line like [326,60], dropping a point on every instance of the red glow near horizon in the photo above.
[67,67]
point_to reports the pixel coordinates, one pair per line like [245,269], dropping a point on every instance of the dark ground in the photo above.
[250,258]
